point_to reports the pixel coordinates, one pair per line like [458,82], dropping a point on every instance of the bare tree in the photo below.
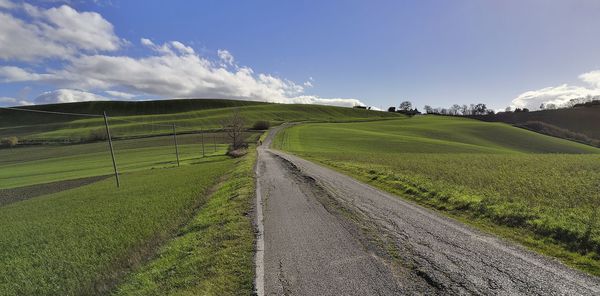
[234,127]
[405,106]
[455,109]
[428,109]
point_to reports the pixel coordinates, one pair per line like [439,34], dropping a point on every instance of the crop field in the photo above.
[84,240]
[42,164]
[539,190]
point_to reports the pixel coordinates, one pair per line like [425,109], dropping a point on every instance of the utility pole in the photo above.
[215,141]
[176,148]
[202,138]
[112,152]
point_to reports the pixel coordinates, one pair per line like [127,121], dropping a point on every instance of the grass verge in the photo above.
[213,254]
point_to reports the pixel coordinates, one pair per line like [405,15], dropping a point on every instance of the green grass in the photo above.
[536,189]
[208,116]
[83,240]
[213,254]
[42,164]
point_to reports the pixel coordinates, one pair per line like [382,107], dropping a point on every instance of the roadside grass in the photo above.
[34,165]
[538,190]
[213,254]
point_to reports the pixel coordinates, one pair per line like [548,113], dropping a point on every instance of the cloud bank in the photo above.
[560,95]
[85,44]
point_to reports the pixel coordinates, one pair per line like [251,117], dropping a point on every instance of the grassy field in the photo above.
[41,164]
[206,114]
[213,254]
[84,240]
[540,190]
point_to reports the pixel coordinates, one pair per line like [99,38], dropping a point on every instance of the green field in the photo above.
[42,164]
[84,240]
[205,114]
[540,190]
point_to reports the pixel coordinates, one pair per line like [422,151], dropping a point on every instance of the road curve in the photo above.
[312,249]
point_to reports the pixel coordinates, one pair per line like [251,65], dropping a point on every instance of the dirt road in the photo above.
[328,234]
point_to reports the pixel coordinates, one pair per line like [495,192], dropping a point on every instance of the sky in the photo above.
[374,53]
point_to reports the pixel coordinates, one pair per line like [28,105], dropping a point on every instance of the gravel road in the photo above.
[328,234]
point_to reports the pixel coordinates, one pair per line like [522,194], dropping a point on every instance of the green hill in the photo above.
[579,123]
[427,134]
[127,118]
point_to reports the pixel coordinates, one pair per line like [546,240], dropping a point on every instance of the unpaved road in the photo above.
[328,234]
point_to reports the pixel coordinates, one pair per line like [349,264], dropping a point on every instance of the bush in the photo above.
[97,135]
[261,125]
[10,142]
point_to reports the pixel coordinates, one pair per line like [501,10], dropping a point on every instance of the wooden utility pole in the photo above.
[215,141]
[112,152]
[176,147]
[202,139]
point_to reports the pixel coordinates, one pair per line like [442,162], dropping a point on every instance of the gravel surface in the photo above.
[311,249]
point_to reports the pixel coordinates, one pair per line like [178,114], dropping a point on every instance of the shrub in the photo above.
[97,135]
[261,125]
[10,142]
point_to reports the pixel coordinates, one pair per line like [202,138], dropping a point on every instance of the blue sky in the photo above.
[502,53]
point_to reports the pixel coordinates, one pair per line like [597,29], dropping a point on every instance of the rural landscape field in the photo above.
[299,147]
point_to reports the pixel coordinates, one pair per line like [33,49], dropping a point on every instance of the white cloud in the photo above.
[120,94]
[6,101]
[593,78]
[226,57]
[58,32]
[5,4]
[559,95]
[82,41]
[173,71]
[67,96]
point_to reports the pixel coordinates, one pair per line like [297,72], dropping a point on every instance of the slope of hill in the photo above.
[128,118]
[583,120]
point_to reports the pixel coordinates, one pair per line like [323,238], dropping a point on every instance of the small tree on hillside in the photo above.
[234,127]
[405,106]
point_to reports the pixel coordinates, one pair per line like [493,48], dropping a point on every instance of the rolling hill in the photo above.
[130,119]
[579,123]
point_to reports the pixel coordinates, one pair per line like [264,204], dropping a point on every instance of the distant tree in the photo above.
[428,109]
[508,109]
[525,110]
[405,106]
[542,106]
[234,127]
[455,109]
[464,110]
[551,106]
[491,112]
[518,110]
[479,109]
[392,109]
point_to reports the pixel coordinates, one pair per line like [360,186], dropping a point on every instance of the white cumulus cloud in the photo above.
[58,32]
[7,101]
[559,95]
[89,64]
[67,96]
